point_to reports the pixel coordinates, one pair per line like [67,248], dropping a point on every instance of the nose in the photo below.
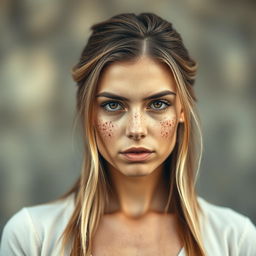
[136,127]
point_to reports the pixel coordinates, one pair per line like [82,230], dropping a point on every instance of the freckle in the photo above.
[105,128]
[166,127]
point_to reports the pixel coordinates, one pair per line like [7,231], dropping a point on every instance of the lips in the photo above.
[136,154]
[137,150]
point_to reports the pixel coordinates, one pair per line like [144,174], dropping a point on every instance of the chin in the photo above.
[136,173]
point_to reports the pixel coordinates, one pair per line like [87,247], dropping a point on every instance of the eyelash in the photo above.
[104,104]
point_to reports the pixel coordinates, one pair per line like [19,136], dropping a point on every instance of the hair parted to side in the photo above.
[127,37]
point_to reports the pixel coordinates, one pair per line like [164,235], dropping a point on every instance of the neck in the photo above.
[136,196]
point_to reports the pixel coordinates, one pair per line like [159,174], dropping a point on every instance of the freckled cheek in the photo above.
[167,128]
[106,129]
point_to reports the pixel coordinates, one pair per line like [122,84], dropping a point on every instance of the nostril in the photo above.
[136,136]
[136,128]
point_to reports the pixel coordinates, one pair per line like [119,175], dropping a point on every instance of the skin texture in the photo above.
[141,191]
[138,185]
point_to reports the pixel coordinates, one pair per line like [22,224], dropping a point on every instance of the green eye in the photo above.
[158,106]
[110,106]
[113,106]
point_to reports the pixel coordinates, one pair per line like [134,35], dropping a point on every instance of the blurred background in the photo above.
[41,41]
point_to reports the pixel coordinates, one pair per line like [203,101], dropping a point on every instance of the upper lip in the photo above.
[137,149]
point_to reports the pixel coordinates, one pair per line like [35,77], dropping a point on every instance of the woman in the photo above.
[136,193]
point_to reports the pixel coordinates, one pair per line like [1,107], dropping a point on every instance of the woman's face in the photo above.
[140,118]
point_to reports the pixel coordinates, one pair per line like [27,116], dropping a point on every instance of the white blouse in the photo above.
[35,230]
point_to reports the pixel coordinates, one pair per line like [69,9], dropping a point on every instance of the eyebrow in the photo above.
[117,97]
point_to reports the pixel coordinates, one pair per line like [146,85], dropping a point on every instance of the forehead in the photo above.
[139,77]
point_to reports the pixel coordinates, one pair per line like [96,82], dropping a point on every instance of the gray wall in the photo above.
[41,40]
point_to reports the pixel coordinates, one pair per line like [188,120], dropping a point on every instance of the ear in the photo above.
[181,119]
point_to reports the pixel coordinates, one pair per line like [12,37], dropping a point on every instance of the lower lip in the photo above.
[137,156]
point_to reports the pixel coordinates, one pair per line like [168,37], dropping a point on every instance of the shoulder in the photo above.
[35,227]
[50,213]
[227,229]
[219,214]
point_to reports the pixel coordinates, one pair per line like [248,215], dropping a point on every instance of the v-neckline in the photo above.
[181,252]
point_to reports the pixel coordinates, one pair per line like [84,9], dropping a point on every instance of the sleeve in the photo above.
[19,237]
[247,244]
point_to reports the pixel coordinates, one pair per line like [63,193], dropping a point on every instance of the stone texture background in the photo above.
[40,157]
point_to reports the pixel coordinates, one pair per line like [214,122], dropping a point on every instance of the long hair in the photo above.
[127,37]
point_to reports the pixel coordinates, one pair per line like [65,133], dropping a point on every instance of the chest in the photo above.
[151,237]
